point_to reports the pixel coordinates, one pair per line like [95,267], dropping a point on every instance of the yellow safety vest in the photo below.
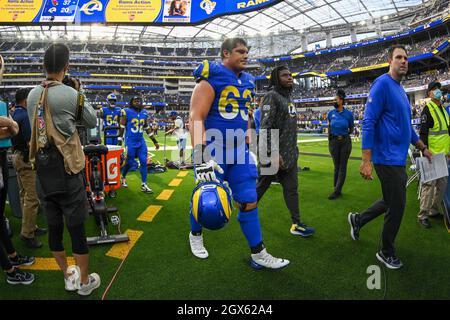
[438,137]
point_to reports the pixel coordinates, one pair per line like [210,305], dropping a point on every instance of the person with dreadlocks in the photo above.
[133,121]
[279,113]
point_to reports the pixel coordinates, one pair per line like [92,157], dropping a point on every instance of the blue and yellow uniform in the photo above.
[229,116]
[111,119]
[134,140]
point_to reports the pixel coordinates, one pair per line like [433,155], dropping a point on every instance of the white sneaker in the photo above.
[72,283]
[94,283]
[124,183]
[197,247]
[264,259]
[145,188]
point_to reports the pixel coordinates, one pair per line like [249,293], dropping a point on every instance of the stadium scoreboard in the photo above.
[145,12]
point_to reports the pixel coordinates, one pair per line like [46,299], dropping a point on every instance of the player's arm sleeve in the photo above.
[374,109]
[150,132]
[426,122]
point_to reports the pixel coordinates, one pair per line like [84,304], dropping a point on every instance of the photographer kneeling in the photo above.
[55,151]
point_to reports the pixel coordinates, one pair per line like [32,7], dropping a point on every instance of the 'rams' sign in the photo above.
[249,4]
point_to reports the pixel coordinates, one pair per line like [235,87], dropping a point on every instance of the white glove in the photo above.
[205,171]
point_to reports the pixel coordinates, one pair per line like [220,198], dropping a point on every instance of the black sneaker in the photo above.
[425,222]
[19,277]
[31,243]
[353,220]
[20,260]
[390,262]
[334,195]
[40,232]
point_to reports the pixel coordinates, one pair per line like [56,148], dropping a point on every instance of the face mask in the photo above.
[437,94]
[336,105]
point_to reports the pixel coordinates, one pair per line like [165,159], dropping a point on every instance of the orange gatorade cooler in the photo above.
[112,167]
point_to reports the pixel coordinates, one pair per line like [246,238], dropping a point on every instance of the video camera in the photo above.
[71,82]
[87,136]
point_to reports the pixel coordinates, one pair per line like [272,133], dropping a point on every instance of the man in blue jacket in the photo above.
[387,133]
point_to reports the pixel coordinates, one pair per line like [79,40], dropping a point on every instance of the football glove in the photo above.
[119,141]
[205,171]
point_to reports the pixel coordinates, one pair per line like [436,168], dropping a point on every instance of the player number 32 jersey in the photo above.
[136,124]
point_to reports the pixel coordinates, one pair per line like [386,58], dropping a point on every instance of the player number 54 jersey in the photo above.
[233,96]
[111,116]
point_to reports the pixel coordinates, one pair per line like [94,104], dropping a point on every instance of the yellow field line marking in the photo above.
[165,195]
[120,250]
[149,213]
[175,182]
[47,264]
[182,174]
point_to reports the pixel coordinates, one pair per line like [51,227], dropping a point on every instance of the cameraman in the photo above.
[56,152]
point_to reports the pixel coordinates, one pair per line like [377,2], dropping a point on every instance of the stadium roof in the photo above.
[288,15]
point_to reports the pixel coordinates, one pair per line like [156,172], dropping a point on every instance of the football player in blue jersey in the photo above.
[133,121]
[111,118]
[219,106]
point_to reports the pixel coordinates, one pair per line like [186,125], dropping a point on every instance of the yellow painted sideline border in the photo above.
[120,250]
[150,213]
[165,194]
[175,182]
[182,174]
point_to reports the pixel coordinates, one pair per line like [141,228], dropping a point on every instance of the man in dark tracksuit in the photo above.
[279,113]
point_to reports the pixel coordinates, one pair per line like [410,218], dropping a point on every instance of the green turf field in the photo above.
[327,266]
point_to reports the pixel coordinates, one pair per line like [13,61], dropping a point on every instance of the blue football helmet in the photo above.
[211,204]
[111,96]
[112,99]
